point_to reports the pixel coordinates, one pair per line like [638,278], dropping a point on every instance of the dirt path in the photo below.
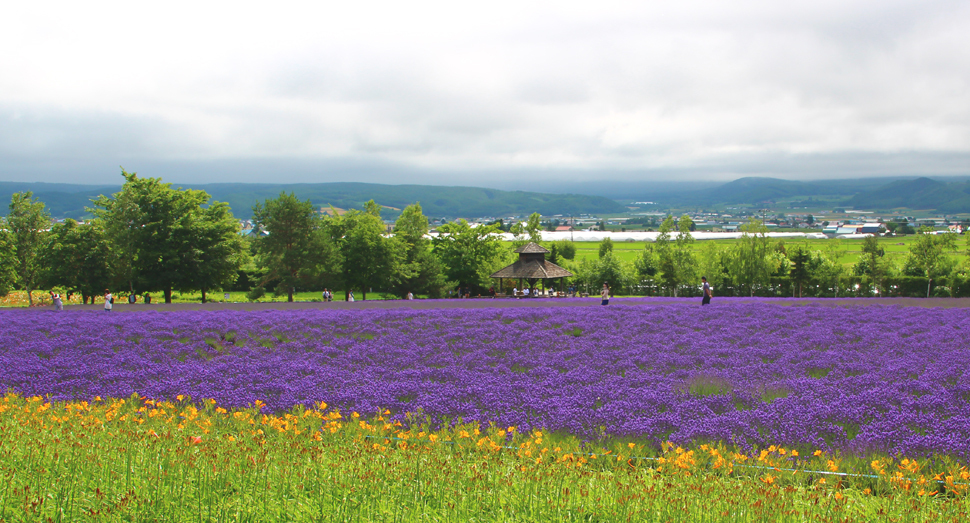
[484,303]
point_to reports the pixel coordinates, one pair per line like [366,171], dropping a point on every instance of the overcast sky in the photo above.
[490,93]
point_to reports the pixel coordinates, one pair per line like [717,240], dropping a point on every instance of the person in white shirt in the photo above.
[108,300]
[410,296]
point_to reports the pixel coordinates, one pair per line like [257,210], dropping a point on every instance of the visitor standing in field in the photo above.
[350,296]
[108,300]
[410,296]
[605,293]
[706,288]
[58,304]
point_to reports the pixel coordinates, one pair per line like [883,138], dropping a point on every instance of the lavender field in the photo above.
[860,379]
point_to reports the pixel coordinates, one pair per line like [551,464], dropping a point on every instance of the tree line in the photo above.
[152,238]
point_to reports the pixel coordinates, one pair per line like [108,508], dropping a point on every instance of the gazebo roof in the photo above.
[533,269]
[531,248]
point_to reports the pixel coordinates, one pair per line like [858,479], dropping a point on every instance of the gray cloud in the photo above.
[437,94]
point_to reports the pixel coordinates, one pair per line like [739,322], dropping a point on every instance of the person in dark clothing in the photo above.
[706,287]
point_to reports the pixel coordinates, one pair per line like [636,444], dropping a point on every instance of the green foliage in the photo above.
[217,251]
[154,230]
[646,266]
[799,272]
[295,251]
[76,258]
[469,254]
[927,255]
[560,251]
[606,246]
[420,271]
[528,231]
[750,266]
[675,255]
[370,260]
[8,276]
[27,220]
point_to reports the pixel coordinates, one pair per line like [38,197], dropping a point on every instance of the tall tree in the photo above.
[370,259]
[468,253]
[928,254]
[215,252]
[530,230]
[750,266]
[420,271]
[28,222]
[666,255]
[8,277]
[150,225]
[684,258]
[871,263]
[799,274]
[290,252]
[77,258]
[560,251]
[606,246]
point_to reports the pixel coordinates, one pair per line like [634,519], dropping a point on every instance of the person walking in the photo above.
[109,300]
[351,296]
[605,294]
[58,304]
[706,288]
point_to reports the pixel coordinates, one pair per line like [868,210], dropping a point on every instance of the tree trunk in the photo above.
[289,294]
[30,297]
[363,295]
[168,294]
[203,294]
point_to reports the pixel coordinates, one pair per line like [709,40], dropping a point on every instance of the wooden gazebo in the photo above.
[532,266]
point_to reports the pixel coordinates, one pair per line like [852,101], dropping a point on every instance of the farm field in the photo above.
[643,409]
[897,249]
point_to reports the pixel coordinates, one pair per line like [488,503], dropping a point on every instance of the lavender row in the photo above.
[858,379]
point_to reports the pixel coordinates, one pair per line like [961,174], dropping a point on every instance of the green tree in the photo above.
[666,255]
[77,258]
[420,271]
[215,252]
[646,266]
[293,250]
[611,271]
[8,276]
[714,264]
[369,258]
[530,230]
[686,262]
[560,251]
[870,263]
[468,253]
[928,254]
[799,273]
[150,226]
[27,222]
[749,263]
[606,246]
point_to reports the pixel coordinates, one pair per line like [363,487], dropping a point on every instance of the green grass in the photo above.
[897,249]
[141,460]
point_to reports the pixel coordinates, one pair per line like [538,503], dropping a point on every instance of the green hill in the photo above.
[921,193]
[64,200]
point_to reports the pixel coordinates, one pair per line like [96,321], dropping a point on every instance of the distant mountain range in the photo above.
[66,200]
[949,196]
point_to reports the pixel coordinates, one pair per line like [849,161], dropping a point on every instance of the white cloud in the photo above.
[706,88]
